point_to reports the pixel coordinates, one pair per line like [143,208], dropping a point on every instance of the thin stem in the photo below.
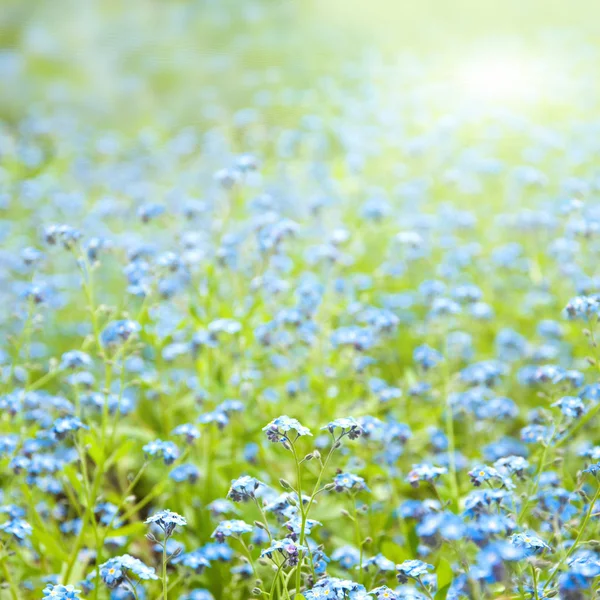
[276,580]
[535,483]
[535,583]
[249,555]
[427,592]
[265,520]
[357,539]
[164,569]
[577,539]
[7,576]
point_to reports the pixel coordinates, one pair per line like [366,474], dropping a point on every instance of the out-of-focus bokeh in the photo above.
[131,63]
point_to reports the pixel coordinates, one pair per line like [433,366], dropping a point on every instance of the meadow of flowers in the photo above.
[325,340]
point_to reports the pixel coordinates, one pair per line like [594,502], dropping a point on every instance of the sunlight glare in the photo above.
[501,80]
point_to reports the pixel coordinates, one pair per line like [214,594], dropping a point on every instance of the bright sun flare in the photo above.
[501,79]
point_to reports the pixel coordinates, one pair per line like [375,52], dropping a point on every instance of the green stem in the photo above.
[7,576]
[43,380]
[249,555]
[577,539]
[303,517]
[535,483]
[357,539]
[276,581]
[535,583]
[164,570]
[579,425]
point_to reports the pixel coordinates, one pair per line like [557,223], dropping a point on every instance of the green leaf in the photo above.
[413,541]
[127,530]
[442,593]
[125,449]
[71,475]
[49,541]
[444,579]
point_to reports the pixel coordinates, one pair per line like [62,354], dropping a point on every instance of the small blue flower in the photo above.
[380,562]
[187,472]
[570,406]
[426,357]
[75,359]
[287,548]
[114,570]
[65,425]
[243,489]
[348,426]
[346,556]
[18,528]
[530,542]
[383,592]
[412,569]
[424,472]
[349,481]
[188,431]
[168,451]
[167,521]
[583,307]
[118,332]
[228,528]
[196,561]
[278,429]
[593,469]
[60,592]
[197,594]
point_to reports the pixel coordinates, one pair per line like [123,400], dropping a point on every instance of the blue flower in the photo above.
[424,472]
[228,528]
[289,549]
[18,528]
[583,307]
[380,562]
[60,592]
[196,560]
[346,556]
[593,469]
[197,594]
[412,569]
[114,570]
[348,426]
[75,359]
[243,489]
[278,429]
[385,593]
[187,472]
[118,332]
[65,234]
[294,525]
[167,521]
[332,587]
[570,406]
[65,425]
[530,542]
[217,551]
[426,357]
[188,431]
[348,481]
[168,451]
[483,473]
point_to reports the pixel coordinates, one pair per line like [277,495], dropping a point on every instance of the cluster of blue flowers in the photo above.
[348,334]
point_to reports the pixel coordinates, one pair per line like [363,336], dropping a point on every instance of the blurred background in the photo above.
[127,64]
